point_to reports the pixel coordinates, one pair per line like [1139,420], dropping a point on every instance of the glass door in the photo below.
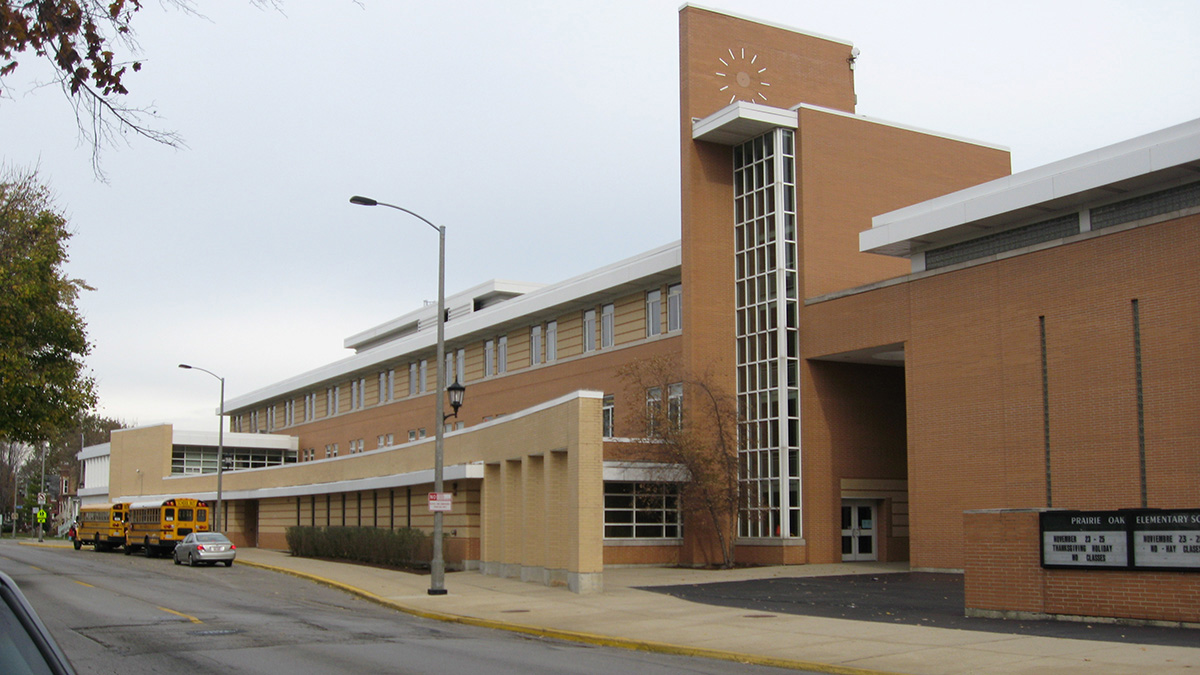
[858,531]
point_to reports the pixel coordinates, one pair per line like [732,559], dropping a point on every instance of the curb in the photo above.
[576,636]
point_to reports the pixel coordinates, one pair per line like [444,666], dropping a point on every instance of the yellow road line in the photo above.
[83,583]
[189,617]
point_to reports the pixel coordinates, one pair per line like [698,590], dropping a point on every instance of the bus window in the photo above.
[168,514]
[185,514]
[202,516]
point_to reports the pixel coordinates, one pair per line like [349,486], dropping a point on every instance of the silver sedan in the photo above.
[205,547]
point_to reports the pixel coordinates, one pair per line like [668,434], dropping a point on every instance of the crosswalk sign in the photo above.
[41,516]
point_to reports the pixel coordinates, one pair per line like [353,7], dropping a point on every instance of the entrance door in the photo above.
[858,531]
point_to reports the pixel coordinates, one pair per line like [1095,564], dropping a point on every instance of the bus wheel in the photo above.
[128,548]
[146,550]
[78,544]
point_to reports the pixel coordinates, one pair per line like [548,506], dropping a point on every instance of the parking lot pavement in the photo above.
[910,598]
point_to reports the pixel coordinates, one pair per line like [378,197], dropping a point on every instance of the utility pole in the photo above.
[42,491]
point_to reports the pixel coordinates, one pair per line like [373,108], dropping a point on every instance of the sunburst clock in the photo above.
[742,76]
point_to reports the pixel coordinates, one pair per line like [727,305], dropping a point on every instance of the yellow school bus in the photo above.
[155,526]
[101,526]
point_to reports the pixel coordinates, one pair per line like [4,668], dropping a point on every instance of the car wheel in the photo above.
[175,558]
[229,563]
[192,560]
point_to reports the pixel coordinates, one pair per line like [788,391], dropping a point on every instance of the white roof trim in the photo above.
[1055,186]
[645,472]
[765,23]
[655,262]
[429,312]
[741,121]
[455,472]
[235,440]
[94,451]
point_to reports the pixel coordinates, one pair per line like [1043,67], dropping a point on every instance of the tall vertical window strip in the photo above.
[412,379]
[674,307]
[653,313]
[489,358]
[535,345]
[460,366]
[502,355]
[551,341]
[589,330]
[767,335]
[421,376]
[607,326]
[609,419]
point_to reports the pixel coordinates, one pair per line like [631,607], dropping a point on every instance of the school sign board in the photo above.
[1157,539]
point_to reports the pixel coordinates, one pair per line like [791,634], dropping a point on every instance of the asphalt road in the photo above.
[914,598]
[127,614]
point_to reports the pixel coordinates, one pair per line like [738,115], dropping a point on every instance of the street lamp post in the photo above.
[220,443]
[437,566]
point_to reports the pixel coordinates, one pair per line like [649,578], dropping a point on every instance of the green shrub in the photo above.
[376,546]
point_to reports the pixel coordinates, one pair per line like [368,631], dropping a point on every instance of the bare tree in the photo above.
[91,46]
[691,423]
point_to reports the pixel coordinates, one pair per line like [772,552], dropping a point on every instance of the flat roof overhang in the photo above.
[1157,159]
[741,121]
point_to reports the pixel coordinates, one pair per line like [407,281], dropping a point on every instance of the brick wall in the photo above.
[1004,577]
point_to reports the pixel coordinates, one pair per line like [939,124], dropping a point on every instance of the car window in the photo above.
[26,646]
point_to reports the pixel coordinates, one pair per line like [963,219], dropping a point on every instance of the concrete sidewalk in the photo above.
[624,616]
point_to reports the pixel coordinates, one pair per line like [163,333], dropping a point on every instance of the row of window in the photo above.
[543,349]
[358,445]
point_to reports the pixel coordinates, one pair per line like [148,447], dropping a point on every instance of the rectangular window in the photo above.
[607,320]
[653,410]
[653,313]
[385,385]
[412,379]
[379,442]
[331,401]
[412,435]
[421,376]
[535,345]
[489,358]
[460,366]
[589,330]
[674,307]
[641,511]
[609,422]
[551,341]
[675,405]
[502,355]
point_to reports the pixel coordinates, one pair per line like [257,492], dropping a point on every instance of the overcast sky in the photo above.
[542,135]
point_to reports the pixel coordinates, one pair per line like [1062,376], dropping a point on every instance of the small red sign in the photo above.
[440,501]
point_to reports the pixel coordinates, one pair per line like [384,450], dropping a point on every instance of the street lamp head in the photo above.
[363,201]
[185,366]
[456,392]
